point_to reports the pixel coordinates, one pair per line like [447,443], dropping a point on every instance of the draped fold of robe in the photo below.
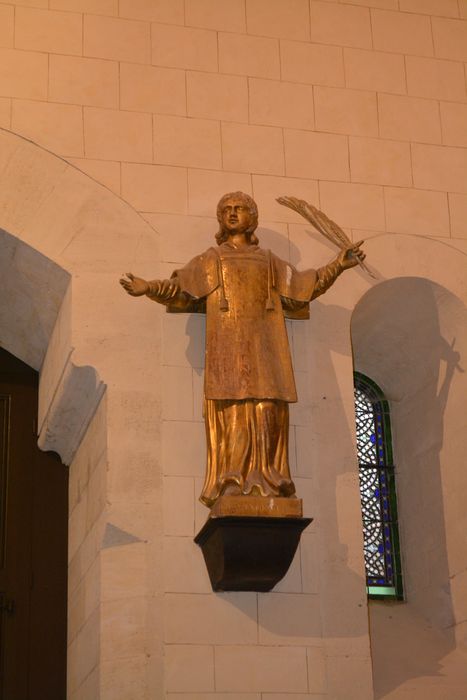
[249,381]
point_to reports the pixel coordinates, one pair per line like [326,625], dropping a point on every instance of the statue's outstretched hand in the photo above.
[351,256]
[135,286]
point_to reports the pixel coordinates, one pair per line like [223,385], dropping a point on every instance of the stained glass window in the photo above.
[377,490]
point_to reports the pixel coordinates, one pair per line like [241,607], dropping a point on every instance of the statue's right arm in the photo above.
[165,292]
[168,292]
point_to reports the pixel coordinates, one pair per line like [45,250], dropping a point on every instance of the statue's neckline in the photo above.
[241,249]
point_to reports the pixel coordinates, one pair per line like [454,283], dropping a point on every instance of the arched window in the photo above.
[377,490]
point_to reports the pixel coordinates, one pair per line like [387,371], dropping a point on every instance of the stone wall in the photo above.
[164,105]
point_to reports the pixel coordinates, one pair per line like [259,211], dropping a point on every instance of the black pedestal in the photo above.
[249,554]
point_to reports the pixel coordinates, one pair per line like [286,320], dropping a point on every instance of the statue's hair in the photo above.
[222,235]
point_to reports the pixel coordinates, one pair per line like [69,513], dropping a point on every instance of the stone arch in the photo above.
[61,232]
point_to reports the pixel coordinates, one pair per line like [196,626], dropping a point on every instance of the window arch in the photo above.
[377,490]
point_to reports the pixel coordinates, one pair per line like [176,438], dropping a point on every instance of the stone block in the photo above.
[206,187]
[450,38]
[152,89]
[454,123]
[197,378]
[353,205]
[93,7]
[418,212]
[311,63]
[155,187]
[345,111]
[293,696]
[55,126]
[83,653]
[180,141]
[306,490]
[341,25]
[458,211]
[189,667]
[46,30]
[220,696]
[105,172]
[401,32]
[377,161]
[211,14]
[289,619]
[215,96]
[266,188]
[374,70]
[177,393]
[308,248]
[183,448]
[380,4]
[409,119]
[274,236]
[116,135]
[178,505]
[286,19]
[183,237]
[241,54]
[125,39]
[124,571]
[436,79]
[184,47]
[96,500]
[123,628]
[184,567]
[5,112]
[183,338]
[277,669]
[167,11]
[307,155]
[257,149]
[89,688]
[309,554]
[439,168]
[7,25]
[317,669]
[77,525]
[76,615]
[123,678]
[211,619]
[281,104]
[444,8]
[32,3]
[349,678]
[23,74]
[83,81]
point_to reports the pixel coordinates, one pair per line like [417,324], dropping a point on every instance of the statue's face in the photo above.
[236,217]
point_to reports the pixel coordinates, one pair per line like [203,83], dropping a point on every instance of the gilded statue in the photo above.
[246,293]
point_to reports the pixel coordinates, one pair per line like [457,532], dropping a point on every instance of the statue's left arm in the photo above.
[298,288]
[327,275]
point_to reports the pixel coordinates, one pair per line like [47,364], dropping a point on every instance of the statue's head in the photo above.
[250,205]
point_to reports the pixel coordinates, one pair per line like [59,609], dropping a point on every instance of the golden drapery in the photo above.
[247,443]
[249,381]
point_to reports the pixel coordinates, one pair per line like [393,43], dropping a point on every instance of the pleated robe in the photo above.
[249,380]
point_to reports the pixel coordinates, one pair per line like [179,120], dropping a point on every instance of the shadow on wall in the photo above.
[410,336]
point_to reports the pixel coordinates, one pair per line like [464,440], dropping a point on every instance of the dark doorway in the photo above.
[33,546]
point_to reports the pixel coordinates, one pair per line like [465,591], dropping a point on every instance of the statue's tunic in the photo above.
[249,381]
